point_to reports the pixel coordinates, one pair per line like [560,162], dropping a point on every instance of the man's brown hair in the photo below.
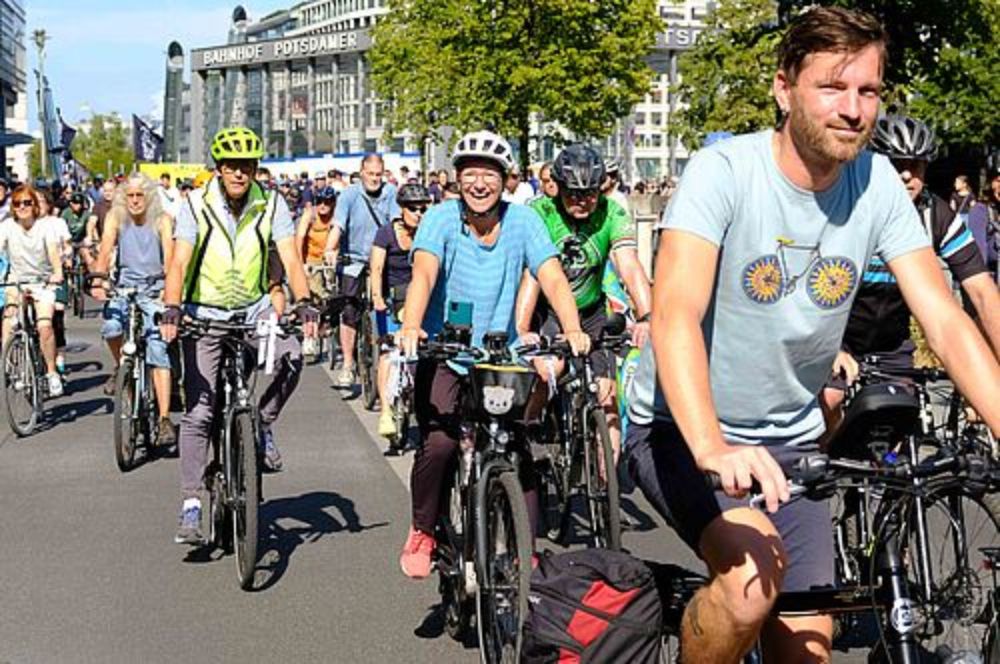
[828,30]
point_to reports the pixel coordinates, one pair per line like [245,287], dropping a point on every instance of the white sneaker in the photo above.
[309,347]
[55,385]
[345,378]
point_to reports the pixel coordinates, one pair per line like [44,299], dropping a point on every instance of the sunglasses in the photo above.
[914,166]
[578,194]
[23,203]
[416,208]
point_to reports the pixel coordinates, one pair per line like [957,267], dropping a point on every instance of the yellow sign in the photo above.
[177,171]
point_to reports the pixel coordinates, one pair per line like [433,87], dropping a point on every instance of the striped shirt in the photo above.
[485,276]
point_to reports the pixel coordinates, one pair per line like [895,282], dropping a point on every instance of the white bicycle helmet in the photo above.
[484,145]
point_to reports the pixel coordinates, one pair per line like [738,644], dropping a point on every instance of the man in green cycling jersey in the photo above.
[219,271]
[589,229]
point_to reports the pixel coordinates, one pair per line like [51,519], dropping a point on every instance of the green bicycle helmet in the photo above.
[236,143]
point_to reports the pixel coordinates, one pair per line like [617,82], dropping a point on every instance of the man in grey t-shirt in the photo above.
[762,251]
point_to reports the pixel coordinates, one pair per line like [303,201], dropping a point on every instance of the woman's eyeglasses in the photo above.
[23,203]
[416,208]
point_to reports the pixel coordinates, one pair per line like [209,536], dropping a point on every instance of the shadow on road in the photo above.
[433,626]
[87,365]
[83,384]
[318,513]
[70,411]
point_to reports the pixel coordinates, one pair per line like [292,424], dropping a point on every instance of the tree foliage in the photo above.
[105,141]
[943,59]
[468,65]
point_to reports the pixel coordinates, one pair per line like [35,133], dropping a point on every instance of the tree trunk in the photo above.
[524,139]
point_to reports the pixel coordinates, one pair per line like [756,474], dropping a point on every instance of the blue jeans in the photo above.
[115,312]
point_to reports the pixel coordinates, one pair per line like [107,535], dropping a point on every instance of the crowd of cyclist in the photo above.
[754,217]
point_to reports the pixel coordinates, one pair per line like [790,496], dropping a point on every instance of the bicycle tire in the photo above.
[366,365]
[959,525]
[603,500]
[555,477]
[458,606]
[504,567]
[79,303]
[125,425]
[245,495]
[20,381]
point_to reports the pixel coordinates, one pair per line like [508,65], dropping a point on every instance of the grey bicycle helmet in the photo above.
[902,137]
[413,193]
[612,166]
[578,166]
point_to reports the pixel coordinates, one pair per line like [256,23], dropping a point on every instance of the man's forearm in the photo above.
[683,374]
[417,297]
[969,363]
[988,311]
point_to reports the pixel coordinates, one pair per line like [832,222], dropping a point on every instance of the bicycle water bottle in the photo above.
[467,445]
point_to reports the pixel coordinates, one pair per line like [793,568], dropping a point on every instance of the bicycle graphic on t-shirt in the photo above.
[830,280]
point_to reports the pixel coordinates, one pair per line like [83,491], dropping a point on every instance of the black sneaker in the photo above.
[167,437]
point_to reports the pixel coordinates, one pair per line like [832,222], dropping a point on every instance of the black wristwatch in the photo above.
[644,318]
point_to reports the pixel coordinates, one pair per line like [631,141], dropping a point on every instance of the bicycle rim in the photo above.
[506,570]
[20,386]
[126,426]
[245,494]
[603,498]
[959,527]
[451,568]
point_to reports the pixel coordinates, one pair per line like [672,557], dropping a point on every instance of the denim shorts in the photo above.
[661,465]
[114,326]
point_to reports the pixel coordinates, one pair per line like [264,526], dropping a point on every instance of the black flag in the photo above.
[147,145]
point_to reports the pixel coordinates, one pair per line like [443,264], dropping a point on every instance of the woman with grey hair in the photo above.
[138,234]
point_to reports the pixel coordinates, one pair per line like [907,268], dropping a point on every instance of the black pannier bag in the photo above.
[592,606]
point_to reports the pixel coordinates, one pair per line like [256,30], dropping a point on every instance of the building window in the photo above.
[371,145]
[398,144]
[640,119]
[657,120]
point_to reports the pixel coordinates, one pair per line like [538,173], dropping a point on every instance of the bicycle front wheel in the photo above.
[367,362]
[20,386]
[505,570]
[245,495]
[602,483]
[961,529]
[126,426]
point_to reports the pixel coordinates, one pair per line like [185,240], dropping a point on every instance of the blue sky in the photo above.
[107,56]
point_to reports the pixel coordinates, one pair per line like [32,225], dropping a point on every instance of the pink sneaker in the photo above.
[415,560]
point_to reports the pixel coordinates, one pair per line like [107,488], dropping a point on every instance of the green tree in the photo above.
[943,59]
[725,80]
[105,140]
[35,159]
[468,65]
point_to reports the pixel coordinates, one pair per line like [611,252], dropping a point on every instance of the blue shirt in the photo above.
[790,261]
[354,219]
[486,276]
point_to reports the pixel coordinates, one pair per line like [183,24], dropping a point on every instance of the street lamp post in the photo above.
[40,39]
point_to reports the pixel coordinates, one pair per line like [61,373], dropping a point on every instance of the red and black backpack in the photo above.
[593,605]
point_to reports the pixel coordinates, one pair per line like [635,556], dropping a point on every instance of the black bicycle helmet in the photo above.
[578,166]
[326,194]
[901,137]
[78,198]
[413,193]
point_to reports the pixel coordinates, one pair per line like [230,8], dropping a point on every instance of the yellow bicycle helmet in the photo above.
[236,143]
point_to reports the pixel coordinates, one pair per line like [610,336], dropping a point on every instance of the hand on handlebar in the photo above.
[578,340]
[408,339]
[378,303]
[846,367]
[640,334]
[309,317]
[529,338]
[737,466]
[171,318]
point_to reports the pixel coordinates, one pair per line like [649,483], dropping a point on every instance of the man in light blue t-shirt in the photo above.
[470,253]
[361,210]
[762,251]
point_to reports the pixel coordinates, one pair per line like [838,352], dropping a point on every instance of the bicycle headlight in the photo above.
[129,348]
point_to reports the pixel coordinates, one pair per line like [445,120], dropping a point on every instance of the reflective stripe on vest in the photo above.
[229,273]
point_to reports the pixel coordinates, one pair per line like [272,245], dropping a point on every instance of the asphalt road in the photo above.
[89,571]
